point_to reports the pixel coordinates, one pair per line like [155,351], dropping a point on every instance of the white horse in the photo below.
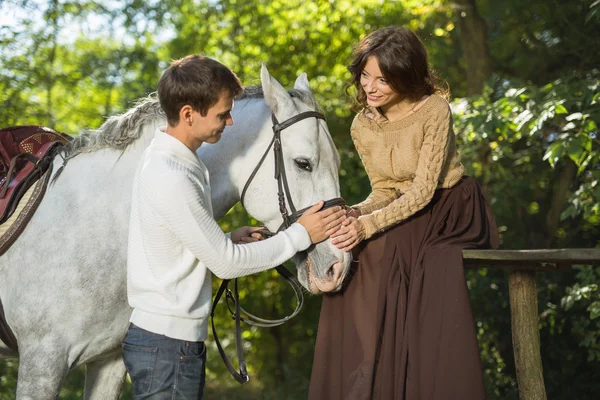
[63,283]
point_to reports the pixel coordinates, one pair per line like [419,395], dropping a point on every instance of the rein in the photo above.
[285,200]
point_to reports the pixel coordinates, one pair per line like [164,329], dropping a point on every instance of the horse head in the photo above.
[311,163]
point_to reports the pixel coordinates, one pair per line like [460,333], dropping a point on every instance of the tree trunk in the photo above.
[566,175]
[473,41]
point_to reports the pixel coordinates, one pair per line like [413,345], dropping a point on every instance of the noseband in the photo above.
[285,199]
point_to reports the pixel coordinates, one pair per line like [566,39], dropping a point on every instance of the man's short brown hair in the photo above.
[196,81]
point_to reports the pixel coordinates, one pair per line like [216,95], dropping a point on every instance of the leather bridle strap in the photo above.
[337,201]
[255,171]
[283,192]
[278,127]
[242,375]
[280,174]
[251,319]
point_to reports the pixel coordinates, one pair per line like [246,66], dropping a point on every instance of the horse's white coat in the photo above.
[63,283]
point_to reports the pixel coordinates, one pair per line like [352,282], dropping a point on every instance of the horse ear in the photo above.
[302,83]
[276,96]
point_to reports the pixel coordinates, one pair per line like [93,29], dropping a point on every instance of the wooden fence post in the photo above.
[526,335]
[522,265]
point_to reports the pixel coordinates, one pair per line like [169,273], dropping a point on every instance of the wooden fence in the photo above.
[522,266]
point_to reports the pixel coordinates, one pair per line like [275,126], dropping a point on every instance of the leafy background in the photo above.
[524,81]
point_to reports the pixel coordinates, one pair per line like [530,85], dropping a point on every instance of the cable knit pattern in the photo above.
[175,243]
[406,161]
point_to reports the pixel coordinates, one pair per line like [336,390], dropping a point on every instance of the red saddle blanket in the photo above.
[26,152]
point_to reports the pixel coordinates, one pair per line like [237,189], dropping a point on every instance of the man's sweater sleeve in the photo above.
[181,206]
[381,194]
[432,158]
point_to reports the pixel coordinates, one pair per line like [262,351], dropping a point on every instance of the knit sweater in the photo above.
[175,243]
[406,161]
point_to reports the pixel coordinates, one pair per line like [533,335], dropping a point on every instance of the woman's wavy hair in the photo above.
[403,61]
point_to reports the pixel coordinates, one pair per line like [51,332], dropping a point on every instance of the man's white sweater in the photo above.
[175,243]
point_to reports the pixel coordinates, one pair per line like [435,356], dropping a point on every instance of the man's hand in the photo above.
[351,233]
[246,234]
[322,224]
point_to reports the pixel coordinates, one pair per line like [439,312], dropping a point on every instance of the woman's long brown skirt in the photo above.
[402,327]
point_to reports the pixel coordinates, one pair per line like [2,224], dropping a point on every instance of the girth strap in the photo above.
[6,334]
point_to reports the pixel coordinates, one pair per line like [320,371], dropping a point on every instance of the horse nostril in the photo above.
[330,272]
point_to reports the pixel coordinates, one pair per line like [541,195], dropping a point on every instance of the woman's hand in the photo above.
[353,212]
[351,233]
[246,234]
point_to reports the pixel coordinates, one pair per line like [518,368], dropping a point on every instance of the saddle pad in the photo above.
[12,228]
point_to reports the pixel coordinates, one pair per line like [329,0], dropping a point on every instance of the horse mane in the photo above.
[119,131]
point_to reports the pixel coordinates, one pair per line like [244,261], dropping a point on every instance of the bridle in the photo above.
[283,189]
[285,200]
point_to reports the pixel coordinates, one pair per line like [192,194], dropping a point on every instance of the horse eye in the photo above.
[303,164]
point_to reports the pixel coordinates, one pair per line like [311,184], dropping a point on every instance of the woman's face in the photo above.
[379,93]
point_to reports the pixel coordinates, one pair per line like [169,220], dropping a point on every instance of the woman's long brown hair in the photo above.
[403,61]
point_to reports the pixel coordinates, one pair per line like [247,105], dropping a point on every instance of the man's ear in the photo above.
[186,114]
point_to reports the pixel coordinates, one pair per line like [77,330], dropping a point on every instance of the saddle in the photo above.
[26,154]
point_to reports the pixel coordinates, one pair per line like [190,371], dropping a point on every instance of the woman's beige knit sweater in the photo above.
[406,161]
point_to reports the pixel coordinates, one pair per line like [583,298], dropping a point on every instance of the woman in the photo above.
[402,327]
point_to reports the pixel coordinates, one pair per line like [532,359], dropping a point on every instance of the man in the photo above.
[175,243]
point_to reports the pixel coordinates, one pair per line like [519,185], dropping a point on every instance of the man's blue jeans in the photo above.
[163,368]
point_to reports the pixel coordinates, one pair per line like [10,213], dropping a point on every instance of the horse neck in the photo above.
[140,144]
[230,161]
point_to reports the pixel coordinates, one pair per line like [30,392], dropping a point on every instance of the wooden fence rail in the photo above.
[522,266]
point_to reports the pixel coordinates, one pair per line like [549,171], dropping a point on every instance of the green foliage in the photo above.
[543,40]
[70,83]
[8,379]
[534,149]
[584,295]
[548,138]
